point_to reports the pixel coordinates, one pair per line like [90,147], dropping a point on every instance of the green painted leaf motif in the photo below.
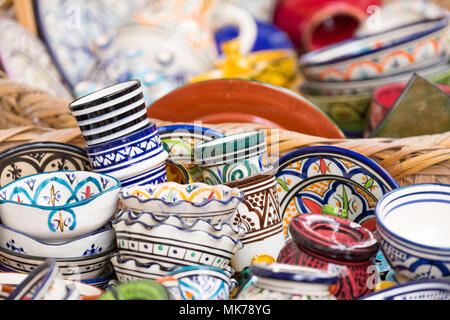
[182,144]
[210,177]
[282,184]
[345,198]
[369,183]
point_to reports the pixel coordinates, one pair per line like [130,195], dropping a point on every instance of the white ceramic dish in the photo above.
[60,205]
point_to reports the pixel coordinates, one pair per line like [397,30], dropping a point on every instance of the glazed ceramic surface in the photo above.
[25,59]
[311,177]
[84,21]
[419,248]
[414,290]
[39,157]
[233,100]
[278,281]
[93,269]
[202,283]
[88,244]
[153,175]
[144,289]
[259,214]
[192,201]
[59,205]
[382,54]
[177,172]
[332,243]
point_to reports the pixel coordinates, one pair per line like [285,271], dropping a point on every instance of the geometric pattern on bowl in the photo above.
[191,199]
[311,177]
[88,244]
[153,176]
[129,269]
[82,268]
[170,244]
[217,227]
[422,250]
[59,205]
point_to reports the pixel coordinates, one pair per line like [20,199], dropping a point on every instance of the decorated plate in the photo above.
[26,60]
[68,26]
[309,178]
[40,157]
[235,100]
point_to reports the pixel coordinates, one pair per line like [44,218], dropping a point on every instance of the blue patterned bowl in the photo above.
[413,224]
[60,205]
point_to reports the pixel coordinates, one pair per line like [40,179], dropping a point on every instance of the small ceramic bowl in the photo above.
[114,155]
[190,202]
[437,289]
[88,268]
[393,51]
[152,176]
[61,205]
[233,157]
[128,269]
[417,246]
[172,244]
[88,244]
[177,172]
[202,283]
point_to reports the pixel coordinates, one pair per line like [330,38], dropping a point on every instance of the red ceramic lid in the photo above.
[244,101]
[333,237]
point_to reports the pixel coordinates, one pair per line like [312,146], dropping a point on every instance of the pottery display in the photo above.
[243,101]
[59,205]
[332,243]
[202,283]
[25,59]
[277,281]
[309,178]
[259,214]
[313,24]
[419,248]
[435,289]
[39,157]
[190,202]
[233,157]
[390,52]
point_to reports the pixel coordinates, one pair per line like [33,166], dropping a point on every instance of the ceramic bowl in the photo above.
[129,269]
[191,201]
[130,149]
[393,51]
[39,157]
[110,113]
[167,243]
[233,157]
[153,176]
[384,97]
[88,244]
[61,205]
[416,245]
[89,269]
[436,289]
[202,283]
[177,172]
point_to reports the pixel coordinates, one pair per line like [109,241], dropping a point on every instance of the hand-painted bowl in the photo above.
[402,49]
[202,283]
[142,289]
[60,205]
[177,172]
[151,176]
[88,244]
[191,201]
[412,225]
[436,289]
[167,243]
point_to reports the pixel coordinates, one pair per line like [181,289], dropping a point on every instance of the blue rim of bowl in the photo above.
[57,146]
[180,202]
[139,264]
[156,226]
[56,245]
[204,131]
[407,284]
[416,186]
[217,227]
[390,181]
[199,267]
[263,270]
[71,205]
[440,23]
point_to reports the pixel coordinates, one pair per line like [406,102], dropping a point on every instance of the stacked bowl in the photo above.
[121,141]
[160,228]
[63,215]
[341,77]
